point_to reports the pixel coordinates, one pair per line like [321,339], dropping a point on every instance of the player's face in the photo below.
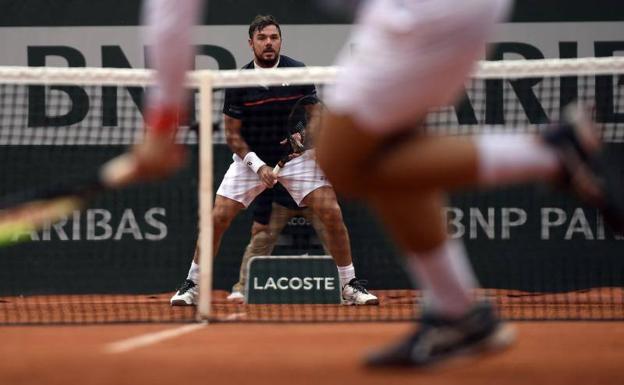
[266,45]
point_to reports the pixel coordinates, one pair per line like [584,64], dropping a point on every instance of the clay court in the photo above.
[85,296]
[550,352]
[553,353]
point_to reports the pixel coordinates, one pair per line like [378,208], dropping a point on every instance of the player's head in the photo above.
[265,40]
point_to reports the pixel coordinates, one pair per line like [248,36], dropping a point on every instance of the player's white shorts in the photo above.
[406,57]
[300,177]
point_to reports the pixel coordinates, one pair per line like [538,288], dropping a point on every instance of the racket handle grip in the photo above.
[277,169]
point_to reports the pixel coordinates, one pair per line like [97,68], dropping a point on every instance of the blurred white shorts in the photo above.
[300,177]
[406,57]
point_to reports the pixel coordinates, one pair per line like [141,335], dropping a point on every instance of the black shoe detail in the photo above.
[186,286]
[583,170]
[440,338]
[358,285]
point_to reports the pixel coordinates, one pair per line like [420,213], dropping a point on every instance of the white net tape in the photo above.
[235,78]
[515,116]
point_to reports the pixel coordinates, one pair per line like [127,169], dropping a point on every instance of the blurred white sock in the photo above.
[506,159]
[446,277]
[346,273]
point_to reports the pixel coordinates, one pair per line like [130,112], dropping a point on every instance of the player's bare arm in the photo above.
[237,145]
[233,136]
[314,113]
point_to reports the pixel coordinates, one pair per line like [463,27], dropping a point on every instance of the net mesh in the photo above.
[113,261]
[538,253]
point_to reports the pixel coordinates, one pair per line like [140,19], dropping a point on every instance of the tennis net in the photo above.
[538,253]
[113,261]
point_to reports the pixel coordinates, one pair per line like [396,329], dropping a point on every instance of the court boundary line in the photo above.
[143,340]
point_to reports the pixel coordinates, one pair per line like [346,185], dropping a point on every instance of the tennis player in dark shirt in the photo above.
[256,123]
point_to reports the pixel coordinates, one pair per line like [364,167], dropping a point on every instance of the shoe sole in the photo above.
[181,302]
[501,339]
[370,302]
[235,299]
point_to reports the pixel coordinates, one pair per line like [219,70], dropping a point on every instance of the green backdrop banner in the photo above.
[141,239]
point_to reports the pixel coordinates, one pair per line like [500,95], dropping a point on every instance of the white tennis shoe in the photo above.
[354,293]
[186,295]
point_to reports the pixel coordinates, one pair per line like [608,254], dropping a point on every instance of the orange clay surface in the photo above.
[570,353]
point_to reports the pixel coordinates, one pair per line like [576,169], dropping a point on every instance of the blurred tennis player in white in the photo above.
[170,53]
[412,56]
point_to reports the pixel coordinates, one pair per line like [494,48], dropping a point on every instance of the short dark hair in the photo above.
[260,22]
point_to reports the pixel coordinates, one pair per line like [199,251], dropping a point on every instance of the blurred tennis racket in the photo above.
[29,211]
[296,143]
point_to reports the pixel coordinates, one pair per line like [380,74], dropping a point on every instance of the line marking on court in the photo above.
[150,338]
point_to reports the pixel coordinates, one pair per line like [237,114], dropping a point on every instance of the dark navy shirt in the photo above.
[264,112]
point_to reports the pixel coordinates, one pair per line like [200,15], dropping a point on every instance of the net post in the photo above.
[205,196]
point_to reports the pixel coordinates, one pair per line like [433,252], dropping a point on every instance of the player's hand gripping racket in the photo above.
[298,118]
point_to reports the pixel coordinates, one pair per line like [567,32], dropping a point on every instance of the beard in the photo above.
[267,62]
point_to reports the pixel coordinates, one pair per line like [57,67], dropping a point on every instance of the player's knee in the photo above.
[331,216]
[221,217]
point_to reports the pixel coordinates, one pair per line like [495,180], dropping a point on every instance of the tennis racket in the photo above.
[30,211]
[297,122]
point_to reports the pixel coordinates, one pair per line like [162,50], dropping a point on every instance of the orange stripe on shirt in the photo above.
[269,100]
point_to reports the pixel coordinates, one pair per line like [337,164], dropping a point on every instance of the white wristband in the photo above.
[253,162]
